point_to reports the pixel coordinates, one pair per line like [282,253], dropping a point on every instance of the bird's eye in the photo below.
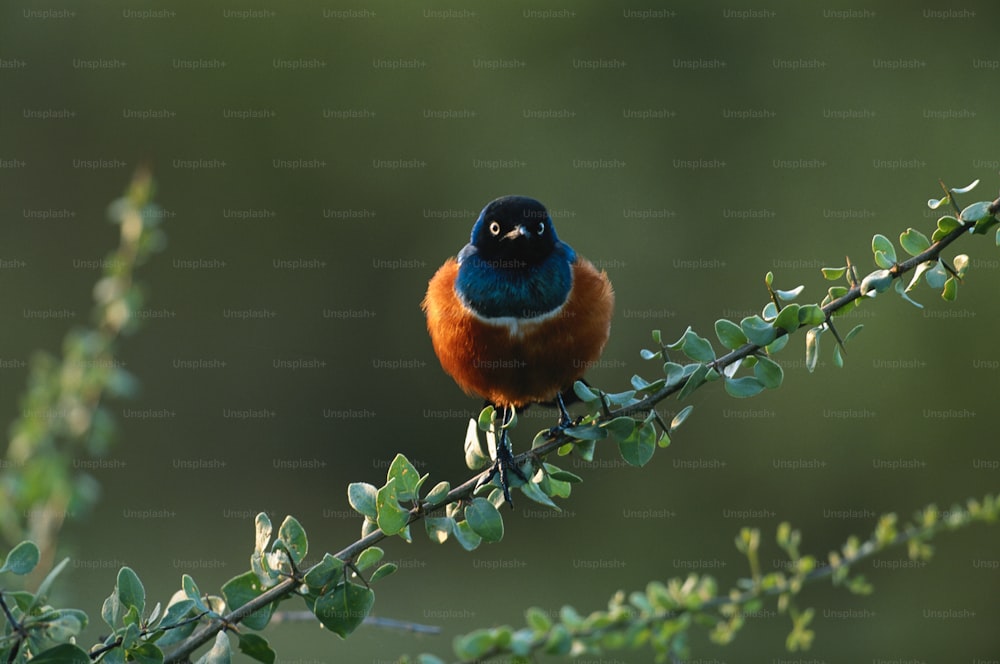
[541,227]
[495,227]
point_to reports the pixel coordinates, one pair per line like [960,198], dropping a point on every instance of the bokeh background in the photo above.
[318,161]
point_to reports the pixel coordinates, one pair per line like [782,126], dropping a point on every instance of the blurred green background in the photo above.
[317,162]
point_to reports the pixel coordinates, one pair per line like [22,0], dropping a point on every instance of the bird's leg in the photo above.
[504,461]
[565,421]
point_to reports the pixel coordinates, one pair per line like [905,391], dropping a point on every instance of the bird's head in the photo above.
[514,231]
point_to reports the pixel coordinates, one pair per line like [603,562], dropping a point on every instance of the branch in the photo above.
[555,439]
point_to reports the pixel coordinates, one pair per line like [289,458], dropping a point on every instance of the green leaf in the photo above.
[747,386]
[21,559]
[936,276]
[811,314]
[392,517]
[537,619]
[680,417]
[919,272]
[885,253]
[812,347]
[758,331]
[697,378]
[293,536]
[697,348]
[878,282]
[976,211]
[176,613]
[345,608]
[256,647]
[193,593]
[647,354]
[638,448]
[382,572]
[788,318]
[437,493]
[769,312]
[853,333]
[64,653]
[439,529]
[485,520]
[935,203]
[145,653]
[833,273]
[369,557]
[914,242]
[475,456]
[961,265]
[903,294]
[945,225]
[950,291]
[620,427]
[485,421]
[563,475]
[467,537]
[220,652]
[262,525]
[789,295]
[533,492]
[587,432]
[361,496]
[244,588]
[324,571]
[729,334]
[474,645]
[768,372]
[407,478]
[674,372]
[838,358]
[967,188]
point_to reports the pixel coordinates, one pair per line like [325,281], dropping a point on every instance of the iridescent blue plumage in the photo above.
[514,265]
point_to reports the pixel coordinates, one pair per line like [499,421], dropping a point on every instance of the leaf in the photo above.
[811,314]
[976,211]
[935,203]
[485,421]
[747,386]
[812,347]
[392,517]
[369,557]
[680,417]
[694,381]
[833,273]
[485,520]
[789,295]
[638,448]
[878,282]
[407,478]
[967,188]
[945,225]
[936,276]
[244,588]
[918,272]
[194,594]
[257,647]
[885,253]
[262,525]
[758,331]
[620,427]
[532,491]
[345,608]
[902,293]
[220,652]
[950,291]
[587,432]
[729,334]
[475,456]
[768,372]
[21,559]
[382,572]
[323,572]
[437,493]
[467,537]
[961,265]
[788,318]
[914,242]
[293,536]
[697,348]
[361,496]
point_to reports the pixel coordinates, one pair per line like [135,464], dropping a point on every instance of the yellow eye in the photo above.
[495,228]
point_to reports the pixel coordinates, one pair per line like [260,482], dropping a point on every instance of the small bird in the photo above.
[517,317]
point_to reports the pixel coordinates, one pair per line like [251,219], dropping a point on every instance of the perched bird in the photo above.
[517,316]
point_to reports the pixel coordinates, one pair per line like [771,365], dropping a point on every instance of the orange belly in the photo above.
[533,363]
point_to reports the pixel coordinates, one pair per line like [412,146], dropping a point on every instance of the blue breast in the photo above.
[526,291]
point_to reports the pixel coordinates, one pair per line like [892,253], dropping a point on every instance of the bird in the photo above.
[517,316]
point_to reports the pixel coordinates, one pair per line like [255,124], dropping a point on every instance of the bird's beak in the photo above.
[519,231]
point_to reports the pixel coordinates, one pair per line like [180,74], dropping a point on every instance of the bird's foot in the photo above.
[502,465]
